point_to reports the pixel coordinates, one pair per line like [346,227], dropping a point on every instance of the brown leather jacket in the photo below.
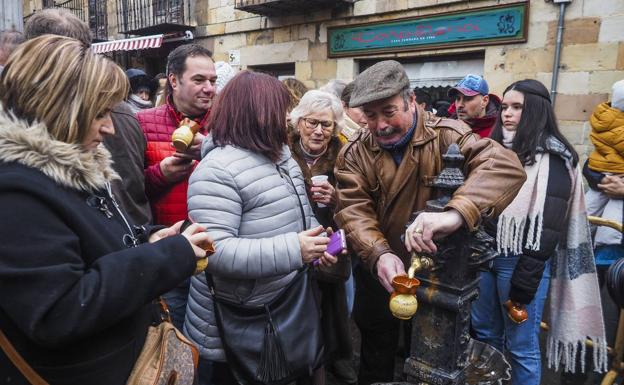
[376,198]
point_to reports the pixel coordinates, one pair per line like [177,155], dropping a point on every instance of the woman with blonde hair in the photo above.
[77,278]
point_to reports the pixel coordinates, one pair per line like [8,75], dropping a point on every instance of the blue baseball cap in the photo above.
[470,85]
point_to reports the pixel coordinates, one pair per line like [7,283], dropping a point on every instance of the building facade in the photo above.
[296,43]
[11,15]
[438,41]
[93,12]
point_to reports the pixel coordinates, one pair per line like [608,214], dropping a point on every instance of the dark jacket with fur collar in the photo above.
[324,166]
[75,299]
[334,312]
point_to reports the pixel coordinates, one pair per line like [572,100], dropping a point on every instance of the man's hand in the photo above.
[613,186]
[426,227]
[194,149]
[176,168]
[388,267]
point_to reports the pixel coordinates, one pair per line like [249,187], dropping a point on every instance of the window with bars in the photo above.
[167,11]
[74,6]
[98,20]
[137,15]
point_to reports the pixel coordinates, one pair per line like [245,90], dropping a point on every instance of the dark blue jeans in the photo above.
[491,325]
[176,300]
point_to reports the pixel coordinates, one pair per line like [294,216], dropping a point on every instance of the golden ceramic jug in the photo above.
[403,302]
[183,136]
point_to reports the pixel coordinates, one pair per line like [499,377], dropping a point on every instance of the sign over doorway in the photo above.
[484,26]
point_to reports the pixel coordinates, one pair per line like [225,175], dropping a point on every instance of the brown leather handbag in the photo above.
[167,358]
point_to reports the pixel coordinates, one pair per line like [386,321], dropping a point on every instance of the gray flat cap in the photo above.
[380,81]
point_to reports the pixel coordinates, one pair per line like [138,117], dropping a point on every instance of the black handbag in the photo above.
[277,342]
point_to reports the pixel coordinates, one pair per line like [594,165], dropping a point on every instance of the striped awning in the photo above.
[131,44]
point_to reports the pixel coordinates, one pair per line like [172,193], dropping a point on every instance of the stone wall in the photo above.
[592,56]
[300,38]
[30,6]
[592,59]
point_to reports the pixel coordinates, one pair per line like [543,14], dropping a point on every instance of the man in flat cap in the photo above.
[381,174]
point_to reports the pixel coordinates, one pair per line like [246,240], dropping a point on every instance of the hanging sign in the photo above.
[484,26]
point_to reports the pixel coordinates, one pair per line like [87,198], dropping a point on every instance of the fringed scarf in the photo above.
[575,308]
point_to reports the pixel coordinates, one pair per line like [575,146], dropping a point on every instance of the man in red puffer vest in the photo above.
[191,80]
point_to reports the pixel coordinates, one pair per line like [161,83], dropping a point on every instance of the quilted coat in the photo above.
[607,137]
[608,157]
[252,210]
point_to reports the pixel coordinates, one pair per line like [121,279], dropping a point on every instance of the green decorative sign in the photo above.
[494,25]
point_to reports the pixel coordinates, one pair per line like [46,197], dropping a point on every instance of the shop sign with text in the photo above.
[485,26]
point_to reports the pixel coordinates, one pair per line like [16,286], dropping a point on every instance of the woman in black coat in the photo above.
[77,282]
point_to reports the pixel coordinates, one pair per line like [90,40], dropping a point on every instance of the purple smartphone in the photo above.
[337,243]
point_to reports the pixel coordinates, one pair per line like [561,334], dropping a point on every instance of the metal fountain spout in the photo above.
[419,265]
[403,301]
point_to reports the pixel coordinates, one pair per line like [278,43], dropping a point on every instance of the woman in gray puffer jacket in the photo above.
[249,193]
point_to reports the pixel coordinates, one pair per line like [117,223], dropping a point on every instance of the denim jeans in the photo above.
[350,285]
[607,254]
[491,325]
[204,372]
[176,300]
[350,291]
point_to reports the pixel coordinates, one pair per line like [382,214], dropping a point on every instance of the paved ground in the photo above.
[549,377]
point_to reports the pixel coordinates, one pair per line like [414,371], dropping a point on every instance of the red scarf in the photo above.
[482,126]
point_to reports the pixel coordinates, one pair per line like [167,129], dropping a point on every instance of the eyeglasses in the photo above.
[326,125]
